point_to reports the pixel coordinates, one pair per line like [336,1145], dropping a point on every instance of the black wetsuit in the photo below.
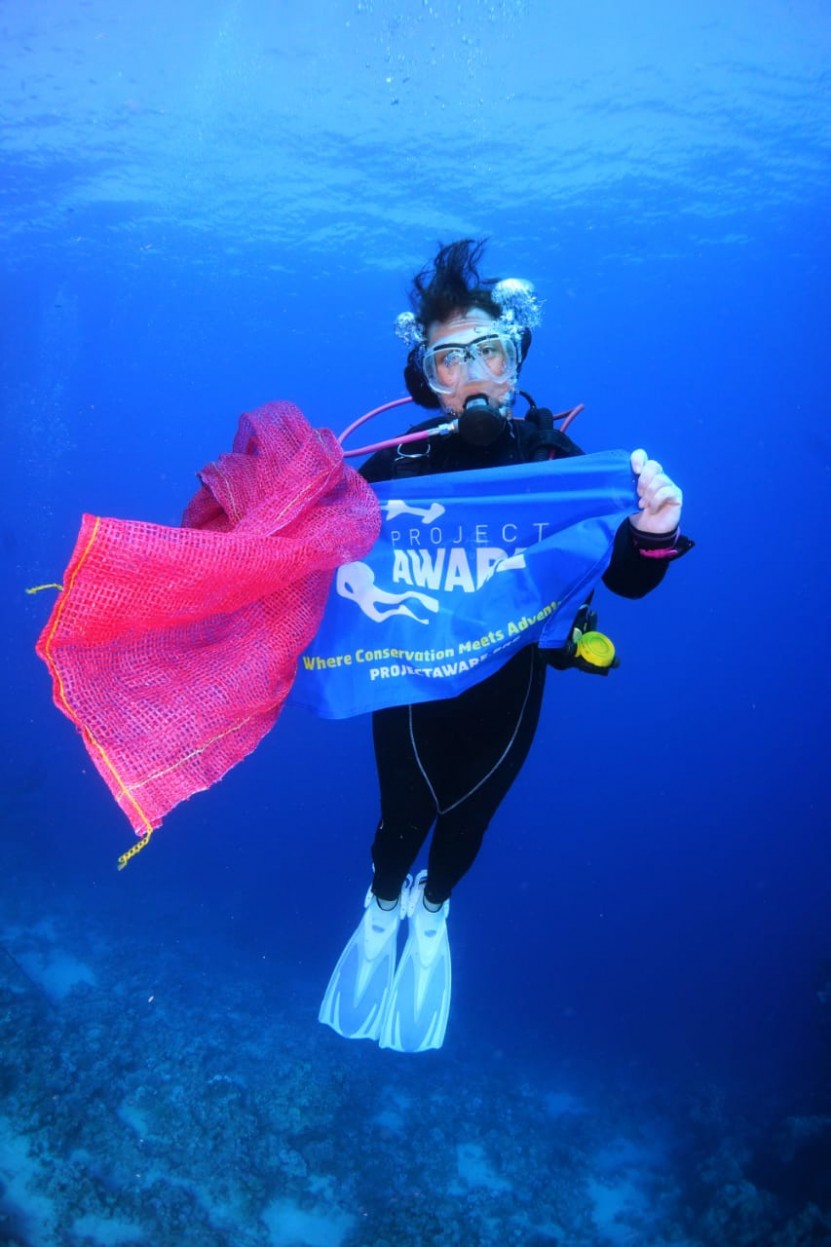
[451,762]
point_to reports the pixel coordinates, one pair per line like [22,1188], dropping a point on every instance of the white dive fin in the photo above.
[419,1004]
[358,992]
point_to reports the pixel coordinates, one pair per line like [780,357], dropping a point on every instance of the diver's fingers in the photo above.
[638,459]
[666,494]
[649,470]
[648,487]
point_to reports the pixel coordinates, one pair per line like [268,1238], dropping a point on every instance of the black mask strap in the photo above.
[416,382]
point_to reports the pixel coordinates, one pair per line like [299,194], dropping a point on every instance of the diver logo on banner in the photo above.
[427,563]
[469,567]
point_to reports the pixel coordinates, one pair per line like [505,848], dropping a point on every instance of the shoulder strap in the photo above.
[541,440]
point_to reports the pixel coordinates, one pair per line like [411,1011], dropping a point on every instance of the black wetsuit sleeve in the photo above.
[631,574]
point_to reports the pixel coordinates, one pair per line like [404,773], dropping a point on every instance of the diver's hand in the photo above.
[659,498]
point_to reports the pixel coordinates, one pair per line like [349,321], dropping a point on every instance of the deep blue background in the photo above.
[208,209]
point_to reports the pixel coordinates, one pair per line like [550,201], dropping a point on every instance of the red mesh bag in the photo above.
[172,650]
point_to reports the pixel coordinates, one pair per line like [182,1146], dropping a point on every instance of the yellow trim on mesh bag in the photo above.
[70,713]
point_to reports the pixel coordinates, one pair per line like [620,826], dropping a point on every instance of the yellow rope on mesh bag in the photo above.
[137,847]
[94,746]
[40,588]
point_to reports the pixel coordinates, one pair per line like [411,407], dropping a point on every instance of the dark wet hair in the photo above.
[451,283]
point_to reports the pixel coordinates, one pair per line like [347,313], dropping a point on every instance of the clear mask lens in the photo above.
[493,357]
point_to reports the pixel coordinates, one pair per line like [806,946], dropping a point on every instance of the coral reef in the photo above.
[172,1092]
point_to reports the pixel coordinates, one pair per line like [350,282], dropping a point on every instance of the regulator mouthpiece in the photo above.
[480,424]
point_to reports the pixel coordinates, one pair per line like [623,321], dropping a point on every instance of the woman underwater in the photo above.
[448,764]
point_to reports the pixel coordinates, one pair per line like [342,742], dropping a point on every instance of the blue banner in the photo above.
[469,567]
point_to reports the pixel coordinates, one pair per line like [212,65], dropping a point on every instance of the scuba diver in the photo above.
[448,764]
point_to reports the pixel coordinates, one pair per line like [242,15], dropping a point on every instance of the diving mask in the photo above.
[490,357]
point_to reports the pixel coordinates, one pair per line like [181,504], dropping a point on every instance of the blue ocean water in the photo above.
[207,206]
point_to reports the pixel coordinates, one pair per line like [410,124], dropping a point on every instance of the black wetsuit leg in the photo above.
[451,762]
